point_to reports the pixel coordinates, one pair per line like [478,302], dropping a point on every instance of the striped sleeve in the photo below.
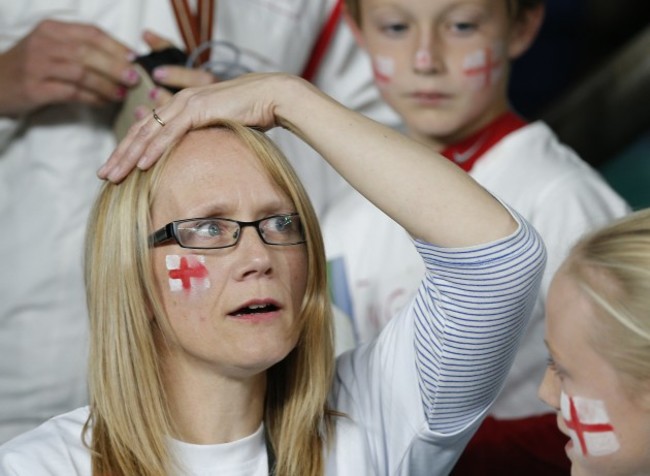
[470,313]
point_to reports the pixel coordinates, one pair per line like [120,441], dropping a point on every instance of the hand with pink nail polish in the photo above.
[60,62]
[173,76]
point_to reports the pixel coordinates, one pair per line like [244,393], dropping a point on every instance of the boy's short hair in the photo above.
[514,6]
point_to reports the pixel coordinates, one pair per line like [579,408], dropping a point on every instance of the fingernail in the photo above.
[159,73]
[113,175]
[130,76]
[121,92]
[139,112]
[154,93]
[142,162]
[131,56]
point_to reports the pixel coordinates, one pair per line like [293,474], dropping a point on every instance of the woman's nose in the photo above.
[255,256]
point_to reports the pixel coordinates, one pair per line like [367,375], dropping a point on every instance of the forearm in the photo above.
[428,195]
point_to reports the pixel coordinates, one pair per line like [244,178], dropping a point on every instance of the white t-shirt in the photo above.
[48,162]
[413,397]
[374,270]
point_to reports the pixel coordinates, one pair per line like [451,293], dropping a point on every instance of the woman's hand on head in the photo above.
[250,99]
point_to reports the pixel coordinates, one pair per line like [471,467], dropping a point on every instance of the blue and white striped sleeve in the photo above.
[470,313]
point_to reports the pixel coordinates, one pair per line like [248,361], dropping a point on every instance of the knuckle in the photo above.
[94,32]
[46,26]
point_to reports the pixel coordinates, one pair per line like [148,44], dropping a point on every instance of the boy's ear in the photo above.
[525,30]
[354,27]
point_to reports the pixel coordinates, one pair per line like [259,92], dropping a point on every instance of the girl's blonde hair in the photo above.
[612,267]
[129,415]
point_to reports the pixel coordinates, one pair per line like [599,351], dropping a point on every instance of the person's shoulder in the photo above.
[534,156]
[55,447]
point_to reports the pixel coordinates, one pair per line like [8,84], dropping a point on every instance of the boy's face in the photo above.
[441,64]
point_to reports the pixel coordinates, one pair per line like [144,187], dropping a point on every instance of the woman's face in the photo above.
[233,310]
[610,430]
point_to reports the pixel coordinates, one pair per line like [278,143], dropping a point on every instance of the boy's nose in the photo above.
[426,58]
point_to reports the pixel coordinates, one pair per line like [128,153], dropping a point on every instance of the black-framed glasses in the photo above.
[215,233]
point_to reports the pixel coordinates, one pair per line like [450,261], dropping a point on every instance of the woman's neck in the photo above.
[209,408]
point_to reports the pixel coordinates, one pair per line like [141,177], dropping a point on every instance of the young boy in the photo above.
[443,65]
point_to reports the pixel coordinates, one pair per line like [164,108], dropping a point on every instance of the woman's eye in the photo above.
[550,363]
[282,224]
[208,229]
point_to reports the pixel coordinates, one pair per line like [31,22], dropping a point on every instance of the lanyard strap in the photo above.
[323,41]
[196,29]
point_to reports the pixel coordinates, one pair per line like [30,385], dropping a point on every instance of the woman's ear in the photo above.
[525,30]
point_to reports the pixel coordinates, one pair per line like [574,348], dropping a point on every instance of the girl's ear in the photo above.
[354,27]
[525,30]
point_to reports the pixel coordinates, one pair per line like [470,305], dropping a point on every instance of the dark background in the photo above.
[588,76]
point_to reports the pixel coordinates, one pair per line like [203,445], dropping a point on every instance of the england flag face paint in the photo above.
[187,272]
[484,67]
[588,424]
[384,69]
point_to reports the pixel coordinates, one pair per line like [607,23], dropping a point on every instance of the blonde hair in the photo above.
[129,415]
[612,267]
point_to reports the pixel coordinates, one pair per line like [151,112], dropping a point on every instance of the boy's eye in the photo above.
[463,27]
[395,28]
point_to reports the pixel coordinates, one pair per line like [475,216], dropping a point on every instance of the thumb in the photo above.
[155,41]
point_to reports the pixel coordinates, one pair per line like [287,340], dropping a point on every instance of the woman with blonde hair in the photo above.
[598,336]
[211,348]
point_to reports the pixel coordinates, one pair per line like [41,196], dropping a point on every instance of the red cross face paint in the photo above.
[484,67]
[588,424]
[187,272]
[384,70]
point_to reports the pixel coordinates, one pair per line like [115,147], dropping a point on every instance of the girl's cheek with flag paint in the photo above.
[588,424]
[187,273]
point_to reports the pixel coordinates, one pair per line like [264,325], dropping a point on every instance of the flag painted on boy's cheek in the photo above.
[484,67]
[588,424]
[384,69]
[187,272]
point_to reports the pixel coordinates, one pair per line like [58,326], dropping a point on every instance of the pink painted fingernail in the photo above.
[154,93]
[130,76]
[160,73]
[139,112]
[121,92]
